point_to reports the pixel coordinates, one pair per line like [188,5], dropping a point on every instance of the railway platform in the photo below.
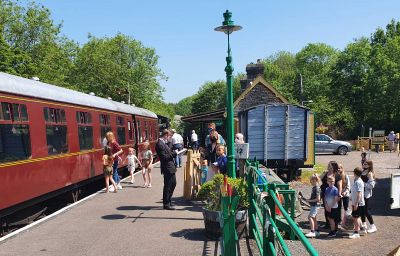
[130,222]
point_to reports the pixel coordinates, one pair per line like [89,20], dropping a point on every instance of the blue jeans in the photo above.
[115,172]
[178,158]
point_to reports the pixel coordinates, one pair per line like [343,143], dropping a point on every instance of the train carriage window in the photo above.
[14,142]
[85,134]
[85,130]
[146,135]
[120,120]
[121,135]
[54,115]
[24,112]
[15,112]
[130,130]
[104,128]
[140,138]
[56,136]
[121,131]
[5,107]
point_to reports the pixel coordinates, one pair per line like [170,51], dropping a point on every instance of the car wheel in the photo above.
[342,150]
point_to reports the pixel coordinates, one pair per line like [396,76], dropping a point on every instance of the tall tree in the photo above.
[281,72]
[118,66]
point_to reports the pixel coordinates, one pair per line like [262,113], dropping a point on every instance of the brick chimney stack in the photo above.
[252,70]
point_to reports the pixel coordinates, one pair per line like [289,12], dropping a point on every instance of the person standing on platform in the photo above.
[194,140]
[177,144]
[108,168]
[211,128]
[168,169]
[391,139]
[147,163]
[116,152]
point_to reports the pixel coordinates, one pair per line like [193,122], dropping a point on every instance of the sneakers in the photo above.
[332,234]
[354,235]
[119,186]
[372,229]
[311,235]
[149,186]
[363,229]
[111,189]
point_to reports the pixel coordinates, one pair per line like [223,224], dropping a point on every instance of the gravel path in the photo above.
[387,221]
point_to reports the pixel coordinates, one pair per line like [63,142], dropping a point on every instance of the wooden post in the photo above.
[187,185]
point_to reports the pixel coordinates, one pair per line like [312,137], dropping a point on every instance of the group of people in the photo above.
[112,157]
[167,152]
[335,191]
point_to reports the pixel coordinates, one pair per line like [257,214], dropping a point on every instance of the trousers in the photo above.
[115,172]
[169,187]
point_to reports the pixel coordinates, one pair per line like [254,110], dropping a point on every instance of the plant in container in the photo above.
[210,192]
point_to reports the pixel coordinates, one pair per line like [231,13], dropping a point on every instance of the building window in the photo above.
[85,130]
[15,143]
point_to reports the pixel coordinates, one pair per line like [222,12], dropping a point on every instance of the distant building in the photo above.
[255,90]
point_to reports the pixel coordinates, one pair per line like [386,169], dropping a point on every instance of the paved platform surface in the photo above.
[130,222]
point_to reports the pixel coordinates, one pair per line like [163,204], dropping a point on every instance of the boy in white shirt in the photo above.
[358,204]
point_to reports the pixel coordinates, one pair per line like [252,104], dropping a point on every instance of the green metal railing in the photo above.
[264,224]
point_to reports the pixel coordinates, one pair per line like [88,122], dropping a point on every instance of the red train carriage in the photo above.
[51,138]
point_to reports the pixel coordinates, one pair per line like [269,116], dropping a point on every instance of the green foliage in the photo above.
[211,192]
[281,72]
[184,106]
[113,67]
[31,45]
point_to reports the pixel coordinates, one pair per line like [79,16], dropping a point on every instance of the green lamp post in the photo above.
[228,27]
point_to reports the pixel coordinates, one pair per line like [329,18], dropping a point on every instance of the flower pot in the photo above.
[212,226]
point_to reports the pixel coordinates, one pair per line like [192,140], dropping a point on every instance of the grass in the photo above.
[306,173]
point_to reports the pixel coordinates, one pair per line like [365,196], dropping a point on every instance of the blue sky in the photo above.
[191,52]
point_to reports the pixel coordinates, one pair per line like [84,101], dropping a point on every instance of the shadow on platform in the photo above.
[210,247]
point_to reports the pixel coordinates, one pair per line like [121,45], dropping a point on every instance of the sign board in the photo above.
[378,137]
[395,191]
[242,150]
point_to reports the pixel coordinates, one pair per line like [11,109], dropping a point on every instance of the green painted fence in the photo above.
[265,226]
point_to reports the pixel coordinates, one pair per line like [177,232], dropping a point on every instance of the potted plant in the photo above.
[210,192]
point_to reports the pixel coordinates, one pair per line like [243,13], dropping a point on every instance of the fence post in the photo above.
[270,201]
[251,211]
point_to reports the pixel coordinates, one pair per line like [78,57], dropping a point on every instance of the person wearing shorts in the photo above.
[331,202]
[314,201]
[358,203]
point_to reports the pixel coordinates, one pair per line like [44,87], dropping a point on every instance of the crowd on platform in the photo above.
[335,191]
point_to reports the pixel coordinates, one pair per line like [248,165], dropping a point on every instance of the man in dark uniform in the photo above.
[168,169]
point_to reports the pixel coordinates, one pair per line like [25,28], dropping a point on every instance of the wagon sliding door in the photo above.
[255,134]
[275,132]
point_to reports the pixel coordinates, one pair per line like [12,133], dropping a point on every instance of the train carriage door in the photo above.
[134,127]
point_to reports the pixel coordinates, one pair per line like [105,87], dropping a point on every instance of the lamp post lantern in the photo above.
[228,27]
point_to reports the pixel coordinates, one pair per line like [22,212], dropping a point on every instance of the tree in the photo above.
[34,38]
[110,67]
[280,71]
[184,106]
